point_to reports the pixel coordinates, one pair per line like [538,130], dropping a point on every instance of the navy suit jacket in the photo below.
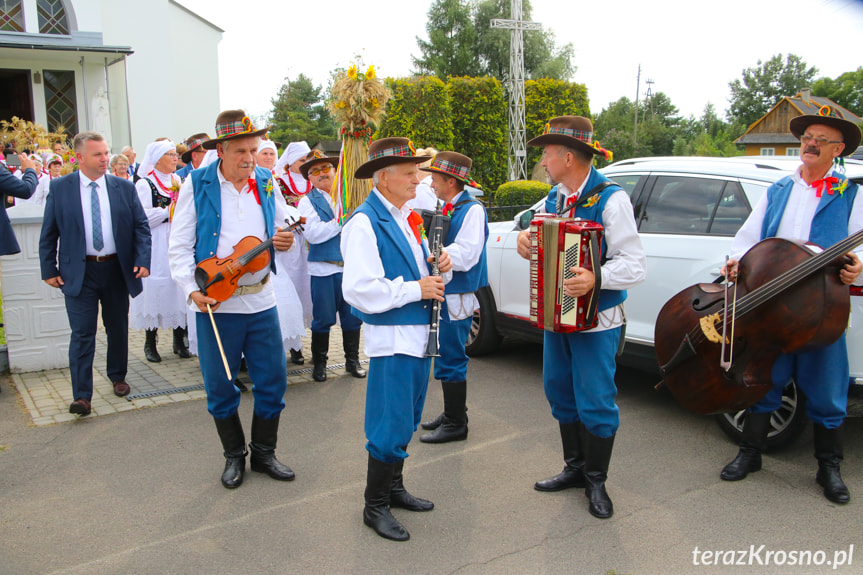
[64,221]
[12,186]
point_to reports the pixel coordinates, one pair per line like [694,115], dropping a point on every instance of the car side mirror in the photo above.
[522,219]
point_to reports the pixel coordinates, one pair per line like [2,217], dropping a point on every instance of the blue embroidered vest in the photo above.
[208,204]
[477,276]
[398,260]
[328,251]
[830,223]
[607,298]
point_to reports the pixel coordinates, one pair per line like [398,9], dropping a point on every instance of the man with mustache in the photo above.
[818,204]
[323,232]
[218,206]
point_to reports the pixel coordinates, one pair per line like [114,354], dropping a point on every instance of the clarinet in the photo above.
[435,245]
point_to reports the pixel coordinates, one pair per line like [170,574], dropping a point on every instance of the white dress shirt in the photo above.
[365,287]
[465,253]
[626,264]
[241,216]
[108,245]
[317,232]
[425,199]
[796,222]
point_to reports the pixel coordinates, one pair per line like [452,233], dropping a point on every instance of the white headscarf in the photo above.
[294,152]
[154,153]
[268,144]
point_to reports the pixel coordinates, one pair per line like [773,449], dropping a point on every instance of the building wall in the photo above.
[778,149]
[168,97]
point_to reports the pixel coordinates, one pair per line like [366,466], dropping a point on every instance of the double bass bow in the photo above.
[790,298]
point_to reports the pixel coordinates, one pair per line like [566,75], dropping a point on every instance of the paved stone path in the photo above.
[47,394]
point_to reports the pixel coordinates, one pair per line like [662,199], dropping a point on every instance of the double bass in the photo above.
[716,353]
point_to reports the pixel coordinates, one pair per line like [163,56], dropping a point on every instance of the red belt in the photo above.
[107,258]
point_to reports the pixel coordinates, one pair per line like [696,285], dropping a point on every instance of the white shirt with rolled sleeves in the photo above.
[108,245]
[317,232]
[241,216]
[464,253]
[796,220]
[626,264]
[365,287]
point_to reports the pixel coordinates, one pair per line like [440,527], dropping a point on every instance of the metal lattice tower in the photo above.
[517,145]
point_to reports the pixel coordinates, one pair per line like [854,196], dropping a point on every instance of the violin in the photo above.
[716,355]
[217,277]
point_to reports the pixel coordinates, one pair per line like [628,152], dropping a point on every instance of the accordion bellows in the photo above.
[556,245]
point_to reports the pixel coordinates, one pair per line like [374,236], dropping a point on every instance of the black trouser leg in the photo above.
[597,456]
[265,433]
[351,343]
[573,459]
[829,453]
[234,443]
[150,351]
[454,424]
[320,347]
[752,445]
[376,513]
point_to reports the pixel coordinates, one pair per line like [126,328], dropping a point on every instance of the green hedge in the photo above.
[547,98]
[512,197]
[419,109]
[479,124]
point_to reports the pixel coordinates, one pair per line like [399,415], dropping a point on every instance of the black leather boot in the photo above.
[351,343]
[150,351]
[234,443]
[597,456]
[265,432]
[399,496]
[573,459]
[752,444]
[320,347]
[829,453]
[376,513]
[297,357]
[454,425]
[435,423]
[180,347]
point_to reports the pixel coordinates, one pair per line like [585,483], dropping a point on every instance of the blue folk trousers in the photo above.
[327,301]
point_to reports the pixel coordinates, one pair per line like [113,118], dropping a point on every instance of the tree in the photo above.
[846,90]
[300,114]
[450,49]
[463,43]
[763,86]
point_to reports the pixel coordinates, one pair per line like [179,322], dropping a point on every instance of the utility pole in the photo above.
[649,95]
[517,145]
[637,89]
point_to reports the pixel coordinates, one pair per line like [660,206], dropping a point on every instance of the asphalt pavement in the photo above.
[139,492]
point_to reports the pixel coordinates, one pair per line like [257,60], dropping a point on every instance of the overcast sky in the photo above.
[690,49]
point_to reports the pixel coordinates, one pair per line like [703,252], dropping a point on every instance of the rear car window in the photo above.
[681,205]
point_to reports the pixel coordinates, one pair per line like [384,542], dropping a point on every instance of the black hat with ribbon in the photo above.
[573,132]
[454,165]
[318,157]
[193,143]
[387,152]
[232,125]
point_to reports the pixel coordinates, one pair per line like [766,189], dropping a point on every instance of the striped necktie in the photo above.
[98,243]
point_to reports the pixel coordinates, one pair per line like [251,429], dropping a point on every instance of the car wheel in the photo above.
[786,423]
[483,337]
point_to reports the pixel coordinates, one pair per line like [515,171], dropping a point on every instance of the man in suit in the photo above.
[20,188]
[103,254]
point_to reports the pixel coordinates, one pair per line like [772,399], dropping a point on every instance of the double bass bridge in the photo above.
[708,327]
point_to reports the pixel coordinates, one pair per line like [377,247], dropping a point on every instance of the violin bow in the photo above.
[726,363]
[219,342]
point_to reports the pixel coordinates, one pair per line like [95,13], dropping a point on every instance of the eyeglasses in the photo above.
[325,169]
[817,141]
[172,155]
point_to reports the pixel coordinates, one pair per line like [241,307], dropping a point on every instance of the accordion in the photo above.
[556,245]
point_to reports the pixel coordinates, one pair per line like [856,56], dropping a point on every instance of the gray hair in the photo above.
[127,149]
[82,137]
[376,175]
[116,158]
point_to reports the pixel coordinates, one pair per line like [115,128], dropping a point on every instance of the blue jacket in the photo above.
[64,221]
[330,250]
[208,204]
[607,298]
[12,186]
[477,276]
[398,260]
[830,223]
[185,171]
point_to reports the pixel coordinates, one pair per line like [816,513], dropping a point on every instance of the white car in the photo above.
[687,210]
